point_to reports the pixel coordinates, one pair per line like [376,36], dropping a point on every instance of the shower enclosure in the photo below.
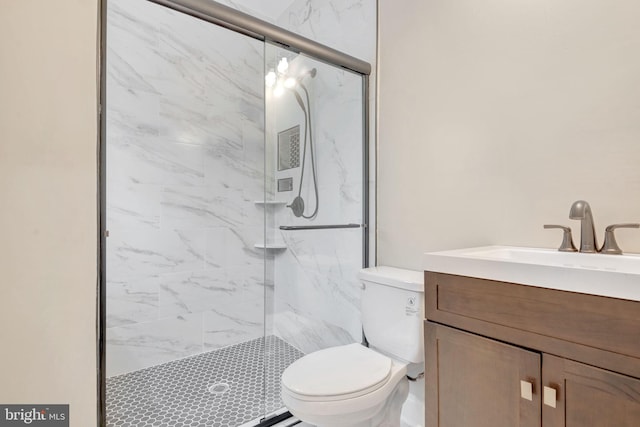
[234,174]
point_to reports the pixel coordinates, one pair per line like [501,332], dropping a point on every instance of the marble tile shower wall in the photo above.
[185,153]
[317,293]
[185,148]
[349,26]
[346,25]
[316,285]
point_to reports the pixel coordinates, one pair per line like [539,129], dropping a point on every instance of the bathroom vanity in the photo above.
[505,354]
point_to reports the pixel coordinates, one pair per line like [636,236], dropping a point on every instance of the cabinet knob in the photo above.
[526,390]
[550,396]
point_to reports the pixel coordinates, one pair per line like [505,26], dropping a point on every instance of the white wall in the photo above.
[48,219]
[496,115]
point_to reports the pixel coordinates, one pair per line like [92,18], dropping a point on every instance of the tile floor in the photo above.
[220,388]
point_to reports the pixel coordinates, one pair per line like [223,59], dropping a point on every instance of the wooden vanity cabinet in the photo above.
[506,355]
[476,381]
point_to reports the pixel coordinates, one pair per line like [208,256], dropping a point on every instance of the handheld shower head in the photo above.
[300,102]
[297,206]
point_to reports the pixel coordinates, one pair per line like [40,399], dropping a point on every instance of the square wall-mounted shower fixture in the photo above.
[285,184]
[289,148]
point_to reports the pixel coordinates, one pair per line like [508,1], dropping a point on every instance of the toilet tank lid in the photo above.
[391,276]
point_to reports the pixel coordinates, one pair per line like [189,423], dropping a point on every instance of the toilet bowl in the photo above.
[357,386]
[342,386]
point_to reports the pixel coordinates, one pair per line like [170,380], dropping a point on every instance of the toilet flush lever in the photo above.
[567,239]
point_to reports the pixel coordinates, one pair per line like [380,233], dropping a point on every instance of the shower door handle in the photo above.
[319,227]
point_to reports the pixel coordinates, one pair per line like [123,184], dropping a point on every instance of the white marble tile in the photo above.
[131,113]
[240,321]
[133,206]
[248,280]
[174,47]
[180,78]
[230,299]
[308,334]
[254,154]
[269,291]
[193,291]
[238,315]
[151,160]
[141,253]
[348,26]
[132,301]
[195,207]
[232,247]
[243,180]
[339,136]
[141,345]
[316,283]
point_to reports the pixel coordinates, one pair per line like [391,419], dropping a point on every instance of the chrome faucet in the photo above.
[582,211]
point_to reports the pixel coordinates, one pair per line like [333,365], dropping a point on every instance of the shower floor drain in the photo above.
[218,388]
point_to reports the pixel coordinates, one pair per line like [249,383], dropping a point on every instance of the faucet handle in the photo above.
[610,245]
[567,239]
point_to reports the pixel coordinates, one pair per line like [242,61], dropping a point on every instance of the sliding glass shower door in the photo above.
[315,215]
[234,214]
[315,135]
[184,169]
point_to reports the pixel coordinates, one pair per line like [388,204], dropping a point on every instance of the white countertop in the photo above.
[615,276]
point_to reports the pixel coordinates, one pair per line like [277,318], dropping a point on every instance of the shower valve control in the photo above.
[285,184]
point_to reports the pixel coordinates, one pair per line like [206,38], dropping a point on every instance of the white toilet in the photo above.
[356,386]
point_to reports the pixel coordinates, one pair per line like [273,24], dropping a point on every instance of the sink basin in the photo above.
[616,276]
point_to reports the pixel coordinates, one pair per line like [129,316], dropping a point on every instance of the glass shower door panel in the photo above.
[315,152]
[184,169]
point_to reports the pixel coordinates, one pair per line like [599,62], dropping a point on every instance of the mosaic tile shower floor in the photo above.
[220,388]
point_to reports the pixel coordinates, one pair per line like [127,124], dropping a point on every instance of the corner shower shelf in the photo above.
[270,202]
[270,246]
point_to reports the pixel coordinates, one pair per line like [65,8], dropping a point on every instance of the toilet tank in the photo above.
[393,311]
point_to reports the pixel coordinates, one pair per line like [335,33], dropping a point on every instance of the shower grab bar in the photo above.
[318,227]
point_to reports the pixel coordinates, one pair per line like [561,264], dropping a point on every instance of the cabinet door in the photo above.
[473,381]
[586,396]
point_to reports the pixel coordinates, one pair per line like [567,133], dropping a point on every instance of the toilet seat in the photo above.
[332,409]
[337,373]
